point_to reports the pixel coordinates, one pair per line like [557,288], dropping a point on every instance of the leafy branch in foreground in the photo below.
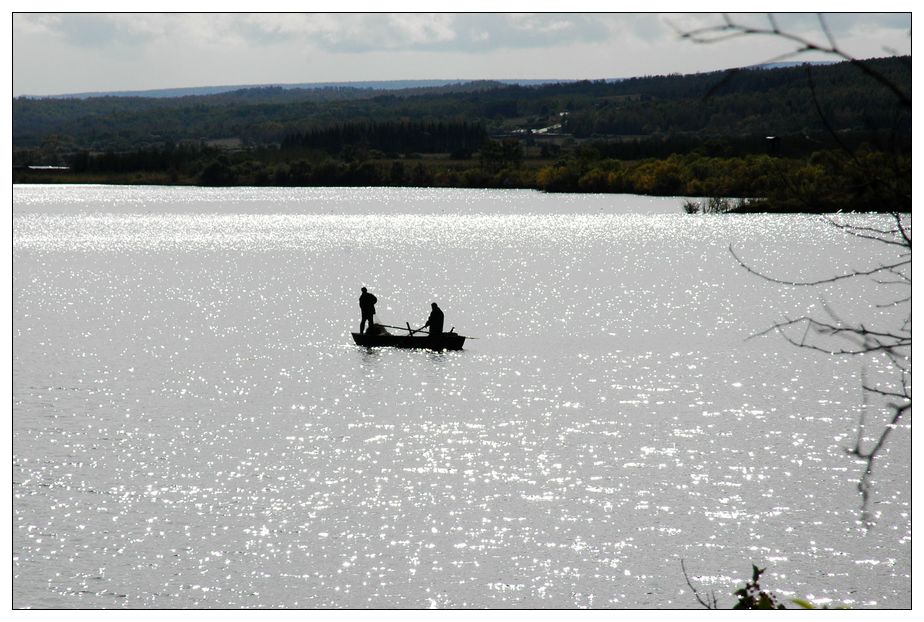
[751,596]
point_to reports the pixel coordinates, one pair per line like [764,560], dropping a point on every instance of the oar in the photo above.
[411,330]
[414,330]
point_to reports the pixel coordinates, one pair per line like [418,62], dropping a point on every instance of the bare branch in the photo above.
[773,23]
[901,278]
[868,457]
[862,423]
[872,453]
[903,396]
[695,592]
[901,228]
[894,303]
[891,344]
[821,114]
[895,345]
[732,30]
[832,279]
[827,31]
[878,235]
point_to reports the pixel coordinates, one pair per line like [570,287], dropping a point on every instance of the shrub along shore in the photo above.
[825,181]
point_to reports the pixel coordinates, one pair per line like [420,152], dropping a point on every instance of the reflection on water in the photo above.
[194,428]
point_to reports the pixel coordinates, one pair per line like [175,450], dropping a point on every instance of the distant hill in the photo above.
[379,85]
[747,102]
[786,64]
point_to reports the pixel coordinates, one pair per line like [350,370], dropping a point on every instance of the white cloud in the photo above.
[85,52]
[36,23]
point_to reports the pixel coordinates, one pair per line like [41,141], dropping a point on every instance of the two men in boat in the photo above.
[367,306]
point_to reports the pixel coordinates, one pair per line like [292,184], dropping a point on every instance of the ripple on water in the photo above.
[193,428]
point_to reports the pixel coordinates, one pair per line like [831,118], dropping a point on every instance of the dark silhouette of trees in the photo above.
[392,136]
[497,155]
[758,102]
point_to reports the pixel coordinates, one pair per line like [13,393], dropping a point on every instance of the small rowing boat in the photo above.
[378,337]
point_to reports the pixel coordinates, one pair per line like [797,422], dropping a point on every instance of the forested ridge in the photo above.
[729,133]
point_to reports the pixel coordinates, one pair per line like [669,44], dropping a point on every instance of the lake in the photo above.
[193,426]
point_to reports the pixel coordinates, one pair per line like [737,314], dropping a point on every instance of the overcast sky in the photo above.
[72,53]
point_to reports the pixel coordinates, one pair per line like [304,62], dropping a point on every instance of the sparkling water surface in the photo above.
[193,427]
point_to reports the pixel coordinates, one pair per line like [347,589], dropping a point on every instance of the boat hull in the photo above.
[446,341]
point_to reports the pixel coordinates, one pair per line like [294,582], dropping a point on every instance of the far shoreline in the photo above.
[742,205]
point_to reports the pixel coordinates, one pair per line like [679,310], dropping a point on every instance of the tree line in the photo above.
[457,137]
[756,101]
[826,181]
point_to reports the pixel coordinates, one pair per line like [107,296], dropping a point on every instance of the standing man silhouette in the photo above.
[367,306]
[435,321]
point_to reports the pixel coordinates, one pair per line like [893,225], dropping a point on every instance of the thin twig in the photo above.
[832,279]
[732,30]
[894,345]
[695,592]
[886,236]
